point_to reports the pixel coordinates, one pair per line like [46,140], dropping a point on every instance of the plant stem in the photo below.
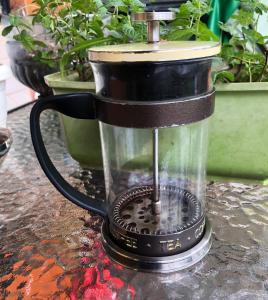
[243,60]
[264,66]
[191,22]
[18,29]
[249,71]
[256,23]
[198,20]
[238,73]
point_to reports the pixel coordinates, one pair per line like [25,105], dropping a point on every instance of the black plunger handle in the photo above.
[80,106]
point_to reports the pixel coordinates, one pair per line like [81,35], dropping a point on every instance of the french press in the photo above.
[152,102]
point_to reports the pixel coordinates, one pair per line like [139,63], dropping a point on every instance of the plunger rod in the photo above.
[156,205]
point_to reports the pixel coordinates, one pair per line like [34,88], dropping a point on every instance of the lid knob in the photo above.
[153,19]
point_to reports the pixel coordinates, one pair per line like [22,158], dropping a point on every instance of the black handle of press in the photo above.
[80,106]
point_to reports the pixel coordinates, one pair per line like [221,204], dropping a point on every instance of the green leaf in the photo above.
[180,22]
[102,10]
[83,46]
[128,29]
[115,34]
[7,30]
[14,20]
[224,76]
[115,3]
[18,22]
[183,12]
[244,18]
[253,36]
[134,3]
[197,7]
[203,33]
[39,44]
[26,40]
[180,35]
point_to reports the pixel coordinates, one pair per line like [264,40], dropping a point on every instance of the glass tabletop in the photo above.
[51,249]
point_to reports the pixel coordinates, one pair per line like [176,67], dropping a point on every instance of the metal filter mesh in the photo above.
[132,211]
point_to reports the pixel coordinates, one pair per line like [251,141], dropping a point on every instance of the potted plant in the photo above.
[238,139]
[28,70]
[73,27]
[24,49]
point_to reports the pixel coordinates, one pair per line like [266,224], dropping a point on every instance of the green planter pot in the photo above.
[238,140]
[81,136]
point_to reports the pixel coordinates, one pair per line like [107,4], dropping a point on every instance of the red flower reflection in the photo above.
[32,275]
[96,281]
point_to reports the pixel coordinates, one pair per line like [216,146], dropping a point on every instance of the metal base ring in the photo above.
[165,264]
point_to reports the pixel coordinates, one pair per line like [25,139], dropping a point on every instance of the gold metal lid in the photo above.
[162,51]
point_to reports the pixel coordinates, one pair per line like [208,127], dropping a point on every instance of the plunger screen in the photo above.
[133,217]
[133,211]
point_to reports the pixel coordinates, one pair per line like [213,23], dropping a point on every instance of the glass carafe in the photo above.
[152,102]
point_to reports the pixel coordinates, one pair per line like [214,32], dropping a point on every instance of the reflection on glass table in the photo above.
[51,249]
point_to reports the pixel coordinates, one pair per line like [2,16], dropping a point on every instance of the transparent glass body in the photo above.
[169,161]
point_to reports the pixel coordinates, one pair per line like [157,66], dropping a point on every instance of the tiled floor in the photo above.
[17,93]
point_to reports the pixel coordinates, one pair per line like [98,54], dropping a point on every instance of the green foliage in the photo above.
[224,76]
[188,24]
[74,26]
[245,52]
[23,36]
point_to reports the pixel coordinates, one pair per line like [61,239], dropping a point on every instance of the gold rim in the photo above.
[163,51]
